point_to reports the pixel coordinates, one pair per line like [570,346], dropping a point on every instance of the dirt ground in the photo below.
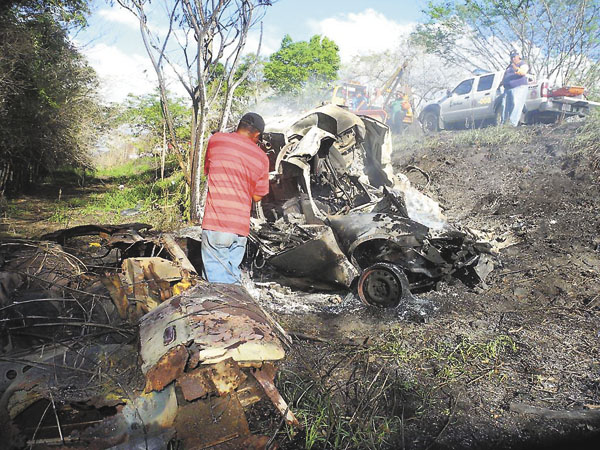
[510,364]
[513,364]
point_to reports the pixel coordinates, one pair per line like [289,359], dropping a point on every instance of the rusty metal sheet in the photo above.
[148,280]
[133,415]
[250,392]
[113,284]
[264,377]
[226,376]
[177,253]
[146,415]
[167,369]
[195,384]
[223,322]
[217,421]
[221,378]
[162,268]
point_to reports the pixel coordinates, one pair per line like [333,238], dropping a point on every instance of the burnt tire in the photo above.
[430,122]
[383,285]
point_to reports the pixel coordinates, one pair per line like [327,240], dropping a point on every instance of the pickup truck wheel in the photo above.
[430,122]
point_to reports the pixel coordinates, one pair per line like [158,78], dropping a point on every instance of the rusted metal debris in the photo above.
[211,343]
[211,339]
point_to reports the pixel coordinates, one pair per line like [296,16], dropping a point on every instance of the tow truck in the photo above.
[345,94]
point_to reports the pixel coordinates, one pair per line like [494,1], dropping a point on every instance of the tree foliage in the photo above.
[46,92]
[560,39]
[296,63]
[66,12]
[143,114]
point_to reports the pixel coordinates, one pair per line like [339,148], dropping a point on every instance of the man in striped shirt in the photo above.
[237,173]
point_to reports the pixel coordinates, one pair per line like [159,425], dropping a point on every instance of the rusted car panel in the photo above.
[70,398]
[210,340]
[214,322]
[90,391]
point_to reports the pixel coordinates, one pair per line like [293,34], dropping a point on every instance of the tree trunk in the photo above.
[164,152]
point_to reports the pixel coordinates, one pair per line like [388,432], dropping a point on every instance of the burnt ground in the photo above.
[513,364]
[510,364]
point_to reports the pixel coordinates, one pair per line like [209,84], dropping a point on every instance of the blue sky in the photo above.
[114,48]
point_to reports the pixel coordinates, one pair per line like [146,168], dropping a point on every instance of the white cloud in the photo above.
[120,16]
[361,33]
[270,43]
[120,73]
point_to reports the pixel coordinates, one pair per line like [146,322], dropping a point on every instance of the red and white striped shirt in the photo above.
[237,169]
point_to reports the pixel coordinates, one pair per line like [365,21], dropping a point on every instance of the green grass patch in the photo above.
[361,422]
[61,215]
[142,168]
[157,201]
[65,176]
[490,137]
[133,186]
[449,361]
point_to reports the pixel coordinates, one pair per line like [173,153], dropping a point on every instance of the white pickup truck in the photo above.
[477,101]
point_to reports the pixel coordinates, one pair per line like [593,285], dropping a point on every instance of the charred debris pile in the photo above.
[110,350]
[111,339]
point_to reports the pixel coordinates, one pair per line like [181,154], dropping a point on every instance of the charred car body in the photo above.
[337,214]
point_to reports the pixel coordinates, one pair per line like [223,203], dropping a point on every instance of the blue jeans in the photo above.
[222,254]
[515,101]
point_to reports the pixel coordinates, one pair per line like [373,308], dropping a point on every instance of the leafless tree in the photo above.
[424,75]
[201,48]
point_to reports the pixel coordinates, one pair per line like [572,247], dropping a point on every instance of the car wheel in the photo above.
[383,285]
[430,122]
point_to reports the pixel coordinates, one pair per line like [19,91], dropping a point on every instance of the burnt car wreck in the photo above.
[337,214]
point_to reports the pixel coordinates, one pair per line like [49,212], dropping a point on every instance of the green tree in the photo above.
[295,64]
[560,39]
[48,110]
[252,86]
[144,115]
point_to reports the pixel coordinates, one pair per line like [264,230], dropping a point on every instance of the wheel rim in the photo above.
[382,285]
[428,123]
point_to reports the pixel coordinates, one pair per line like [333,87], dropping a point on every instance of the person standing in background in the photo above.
[515,89]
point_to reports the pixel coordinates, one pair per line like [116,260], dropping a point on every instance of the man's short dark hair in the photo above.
[253,122]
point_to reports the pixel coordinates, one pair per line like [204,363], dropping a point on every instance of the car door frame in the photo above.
[454,107]
[482,102]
